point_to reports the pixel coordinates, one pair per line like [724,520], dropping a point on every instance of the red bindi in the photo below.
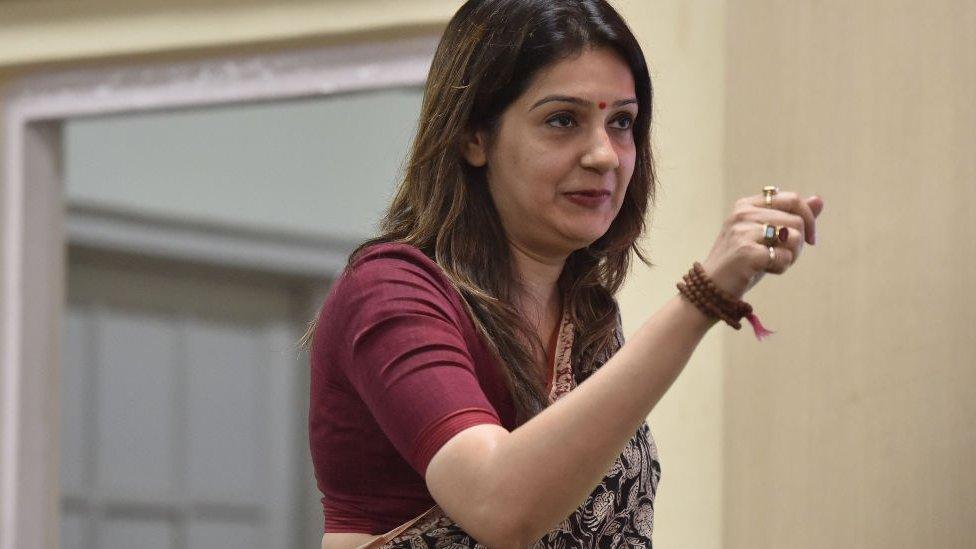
[602,105]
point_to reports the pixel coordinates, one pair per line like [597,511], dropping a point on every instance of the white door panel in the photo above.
[132,533]
[74,530]
[184,397]
[215,535]
[136,364]
[225,399]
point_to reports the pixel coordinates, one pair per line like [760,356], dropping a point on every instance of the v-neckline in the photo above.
[551,349]
[551,355]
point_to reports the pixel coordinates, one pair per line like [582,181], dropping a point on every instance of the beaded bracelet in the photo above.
[715,302]
[735,307]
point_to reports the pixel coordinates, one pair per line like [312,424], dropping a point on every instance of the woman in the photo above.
[470,385]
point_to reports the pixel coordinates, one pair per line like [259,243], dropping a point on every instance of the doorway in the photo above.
[157,496]
[184,403]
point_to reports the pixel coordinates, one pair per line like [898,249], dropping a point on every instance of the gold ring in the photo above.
[770,192]
[772,257]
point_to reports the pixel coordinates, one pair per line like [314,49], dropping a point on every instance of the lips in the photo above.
[590,198]
[595,193]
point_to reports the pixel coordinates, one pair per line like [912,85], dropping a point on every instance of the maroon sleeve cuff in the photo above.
[437,434]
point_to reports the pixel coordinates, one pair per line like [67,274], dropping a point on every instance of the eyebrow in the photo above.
[579,101]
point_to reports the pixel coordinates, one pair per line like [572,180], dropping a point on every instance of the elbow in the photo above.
[521,538]
[501,532]
[498,519]
[507,522]
[521,535]
[482,498]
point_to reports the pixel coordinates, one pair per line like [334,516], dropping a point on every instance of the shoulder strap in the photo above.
[387,537]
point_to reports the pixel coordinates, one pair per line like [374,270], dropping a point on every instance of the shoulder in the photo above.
[393,257]
[395,275]
[392,262]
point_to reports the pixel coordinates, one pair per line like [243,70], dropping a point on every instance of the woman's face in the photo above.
[563,154]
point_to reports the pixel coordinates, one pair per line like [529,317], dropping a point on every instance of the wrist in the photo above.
[702,321]
[711,300]
[700,292]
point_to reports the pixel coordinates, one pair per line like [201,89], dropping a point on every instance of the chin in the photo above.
[582,239]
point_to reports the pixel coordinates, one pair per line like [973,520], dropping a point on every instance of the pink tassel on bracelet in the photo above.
[761,331]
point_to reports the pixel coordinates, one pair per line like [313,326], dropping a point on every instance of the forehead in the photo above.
[596,74]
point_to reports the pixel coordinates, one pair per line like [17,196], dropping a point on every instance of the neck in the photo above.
[539,276]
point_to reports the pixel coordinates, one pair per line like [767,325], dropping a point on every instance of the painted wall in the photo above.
[323,167]
[684,43]
[852,426]
[64,31]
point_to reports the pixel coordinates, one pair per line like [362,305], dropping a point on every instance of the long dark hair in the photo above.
[486,59]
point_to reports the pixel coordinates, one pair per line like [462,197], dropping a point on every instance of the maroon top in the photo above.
[397,369]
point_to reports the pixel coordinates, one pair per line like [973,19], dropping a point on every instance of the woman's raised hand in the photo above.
[739,258]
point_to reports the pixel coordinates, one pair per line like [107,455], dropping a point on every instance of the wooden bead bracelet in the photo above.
[715,302]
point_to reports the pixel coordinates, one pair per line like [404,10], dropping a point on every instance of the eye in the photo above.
[625,120]
[561,120]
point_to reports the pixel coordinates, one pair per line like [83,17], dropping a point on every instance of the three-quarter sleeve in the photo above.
[407,358]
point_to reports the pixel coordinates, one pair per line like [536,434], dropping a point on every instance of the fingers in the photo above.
[792,202]
[816,204]
[773,217]
[750,220]
[782,259]
[793,242]
[742,233]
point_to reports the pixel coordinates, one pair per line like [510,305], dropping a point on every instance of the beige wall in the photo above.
[67,30]
[852,426]
[683,41]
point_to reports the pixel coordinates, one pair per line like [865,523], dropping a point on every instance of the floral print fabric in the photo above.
[619,512]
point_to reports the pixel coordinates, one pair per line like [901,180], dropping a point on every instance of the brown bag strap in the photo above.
[387,537]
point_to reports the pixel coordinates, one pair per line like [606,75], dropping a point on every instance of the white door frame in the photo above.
[33,223]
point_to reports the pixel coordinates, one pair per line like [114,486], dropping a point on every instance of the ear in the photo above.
[474,148]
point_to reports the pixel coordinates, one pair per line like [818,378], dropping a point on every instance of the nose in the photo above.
[600,154]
